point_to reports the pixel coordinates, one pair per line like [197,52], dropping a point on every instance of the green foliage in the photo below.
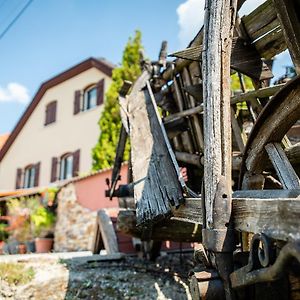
[3,232]
[16,273]
[103,153]
[235,83]
[42,220]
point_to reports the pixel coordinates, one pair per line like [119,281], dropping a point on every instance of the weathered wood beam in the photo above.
[107,231]
[260,93]
[237,132]
[283,167]
[219,23]
[277,218]
[167,230]
[185,113]
[245,59]
[154,174]
[267,211]
[290,23]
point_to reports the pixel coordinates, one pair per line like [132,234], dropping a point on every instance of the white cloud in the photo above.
[14,92]
[191,17]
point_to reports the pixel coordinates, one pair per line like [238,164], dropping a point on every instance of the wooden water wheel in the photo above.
[177,116]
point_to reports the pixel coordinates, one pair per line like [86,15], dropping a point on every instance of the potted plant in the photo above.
[19,225]
[3,236]
[43,221]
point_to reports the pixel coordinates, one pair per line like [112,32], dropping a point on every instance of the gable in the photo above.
[101,65]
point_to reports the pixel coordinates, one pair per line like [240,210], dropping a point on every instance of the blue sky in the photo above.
[53,35]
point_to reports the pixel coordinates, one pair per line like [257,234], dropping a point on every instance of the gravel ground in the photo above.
[129,278]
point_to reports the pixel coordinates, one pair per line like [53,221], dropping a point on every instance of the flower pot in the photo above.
[22,249]
[43,245]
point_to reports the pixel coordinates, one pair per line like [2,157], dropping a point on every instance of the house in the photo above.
[53,139]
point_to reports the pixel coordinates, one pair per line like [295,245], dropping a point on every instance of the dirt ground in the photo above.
[75,278]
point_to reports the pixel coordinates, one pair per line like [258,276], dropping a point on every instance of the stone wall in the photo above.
[75,226]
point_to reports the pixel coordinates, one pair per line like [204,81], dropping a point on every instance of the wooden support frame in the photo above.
[105,234]
[275,213]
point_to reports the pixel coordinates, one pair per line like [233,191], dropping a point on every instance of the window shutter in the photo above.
[47,115]
[76,159]
[53,111]
[77,102]
[54,169]
[37,174]
[100,92]
[50,112]
[19,178]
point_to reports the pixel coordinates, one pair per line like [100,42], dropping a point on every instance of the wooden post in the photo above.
[218,30]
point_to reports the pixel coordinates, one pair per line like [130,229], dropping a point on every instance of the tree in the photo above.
[103,154]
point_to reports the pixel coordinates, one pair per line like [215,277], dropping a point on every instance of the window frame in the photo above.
[29,176]
[65,167]
[86,104]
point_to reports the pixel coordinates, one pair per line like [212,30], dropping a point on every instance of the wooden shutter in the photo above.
[77,98]
[100,92]
[19,178]
[76,159]
[53,111]
[54,169]
[37,174]
[50,112]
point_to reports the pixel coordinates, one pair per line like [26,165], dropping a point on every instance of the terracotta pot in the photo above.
[22,249]
[43,245]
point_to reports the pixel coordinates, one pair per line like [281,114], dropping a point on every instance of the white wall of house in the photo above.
[39,143]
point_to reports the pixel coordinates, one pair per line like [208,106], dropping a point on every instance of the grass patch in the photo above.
[14,273]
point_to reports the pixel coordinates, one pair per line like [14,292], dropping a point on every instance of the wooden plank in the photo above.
[260,93]
[219,22]
[97,244]
[217,139]
[271,44]
[237,132]
[283,167]
[256,21]
[186,137]
[245,59]
[185,113]
[166,230]
[287,14]
[156,184]
[107,232]
[278,218]
[195,122]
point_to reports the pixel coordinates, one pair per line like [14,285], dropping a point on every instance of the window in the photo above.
[66,167]
[50,116]
[28,177]
[90,98]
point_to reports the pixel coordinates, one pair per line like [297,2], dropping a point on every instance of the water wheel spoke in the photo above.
[283,167]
